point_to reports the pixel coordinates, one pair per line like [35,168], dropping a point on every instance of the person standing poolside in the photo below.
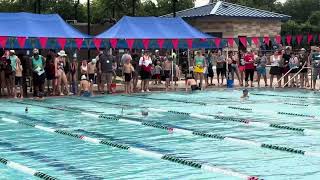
[61,64]
[285,64]
[275,69]
[74,76]
[157,72]
[221,67]
[38,65]
[294,66]
[303,64]
[85,87]
[92,71]
[241,67]
[145,64]
[261,62]
[315,60]
[13,59]
[233,65]
[167,66]
[199,65]
[135,74]
[98,77]
[18,79]
[50,70]
[3,62]
[127,73]
[106,70]
[210,68]
[249,60]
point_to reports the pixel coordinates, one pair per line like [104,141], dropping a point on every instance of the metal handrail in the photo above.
[296,74]
[274,84]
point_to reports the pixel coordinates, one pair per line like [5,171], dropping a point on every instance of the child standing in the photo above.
[157,73]
[127,73]
[18,79]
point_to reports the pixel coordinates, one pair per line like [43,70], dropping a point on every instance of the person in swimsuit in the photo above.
[74,76]
[261,62]
[275,69]
[199,65]
[241,67]
[50,72]
[303,63]
[245,94]
[127,73]
[85,87]
[191,83]
[221,68]
[294,66]
[167,71]
[62,78]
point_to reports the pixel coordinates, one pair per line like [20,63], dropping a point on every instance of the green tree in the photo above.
[166,6]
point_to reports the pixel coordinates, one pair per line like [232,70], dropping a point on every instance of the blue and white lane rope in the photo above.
[25,169]
[147,153]
[180,130]
[240,120]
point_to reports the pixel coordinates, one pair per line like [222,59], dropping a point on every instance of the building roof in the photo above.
[225,9]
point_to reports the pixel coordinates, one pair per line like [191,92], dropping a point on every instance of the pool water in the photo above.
[69,158]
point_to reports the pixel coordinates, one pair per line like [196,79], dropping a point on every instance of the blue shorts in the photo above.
[261,71]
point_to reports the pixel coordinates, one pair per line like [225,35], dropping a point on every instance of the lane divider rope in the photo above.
[274,95]
[296,114]
[226,118]
[26,170]
[296,104]
[241,120]
[180,130]
[167,99]
[139,151]
[50,161]
[240,108]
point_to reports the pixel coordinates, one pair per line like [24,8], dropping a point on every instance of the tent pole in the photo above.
[174,8]
[172,68]
[188,61]
[89,24]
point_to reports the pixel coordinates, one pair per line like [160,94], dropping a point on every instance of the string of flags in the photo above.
[97,43]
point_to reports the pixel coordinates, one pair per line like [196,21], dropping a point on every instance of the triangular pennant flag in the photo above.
[203,40]
[160,43]
[237,41]
[319,38]
[21,41]
[145,43]
[175,43]
[230,42]
[266,40]
[278,39]
[97,43]
[288,39]
[79,42]
[299,39]
[293,40]
[43,42]
[243,40]
[130,43]
[113,43]
[310,37]
[189,42]
[283,38]
[249,40]
[255,40]
[62,42]
[217,42]
[3,41]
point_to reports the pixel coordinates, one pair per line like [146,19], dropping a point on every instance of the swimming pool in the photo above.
[206,135]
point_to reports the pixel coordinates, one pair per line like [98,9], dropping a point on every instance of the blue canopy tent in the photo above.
[39,31]
[154,32]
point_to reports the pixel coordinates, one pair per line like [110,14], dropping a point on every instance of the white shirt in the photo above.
[145,61]
[275,61]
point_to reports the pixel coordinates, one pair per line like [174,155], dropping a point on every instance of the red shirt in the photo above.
[249,59]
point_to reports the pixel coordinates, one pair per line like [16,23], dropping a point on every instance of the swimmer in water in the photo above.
[144,113]
[191,83]
[26,110]
[245,94]
[85,87]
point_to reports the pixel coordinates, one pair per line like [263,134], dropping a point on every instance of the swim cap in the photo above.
[245,90]
[83,77]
